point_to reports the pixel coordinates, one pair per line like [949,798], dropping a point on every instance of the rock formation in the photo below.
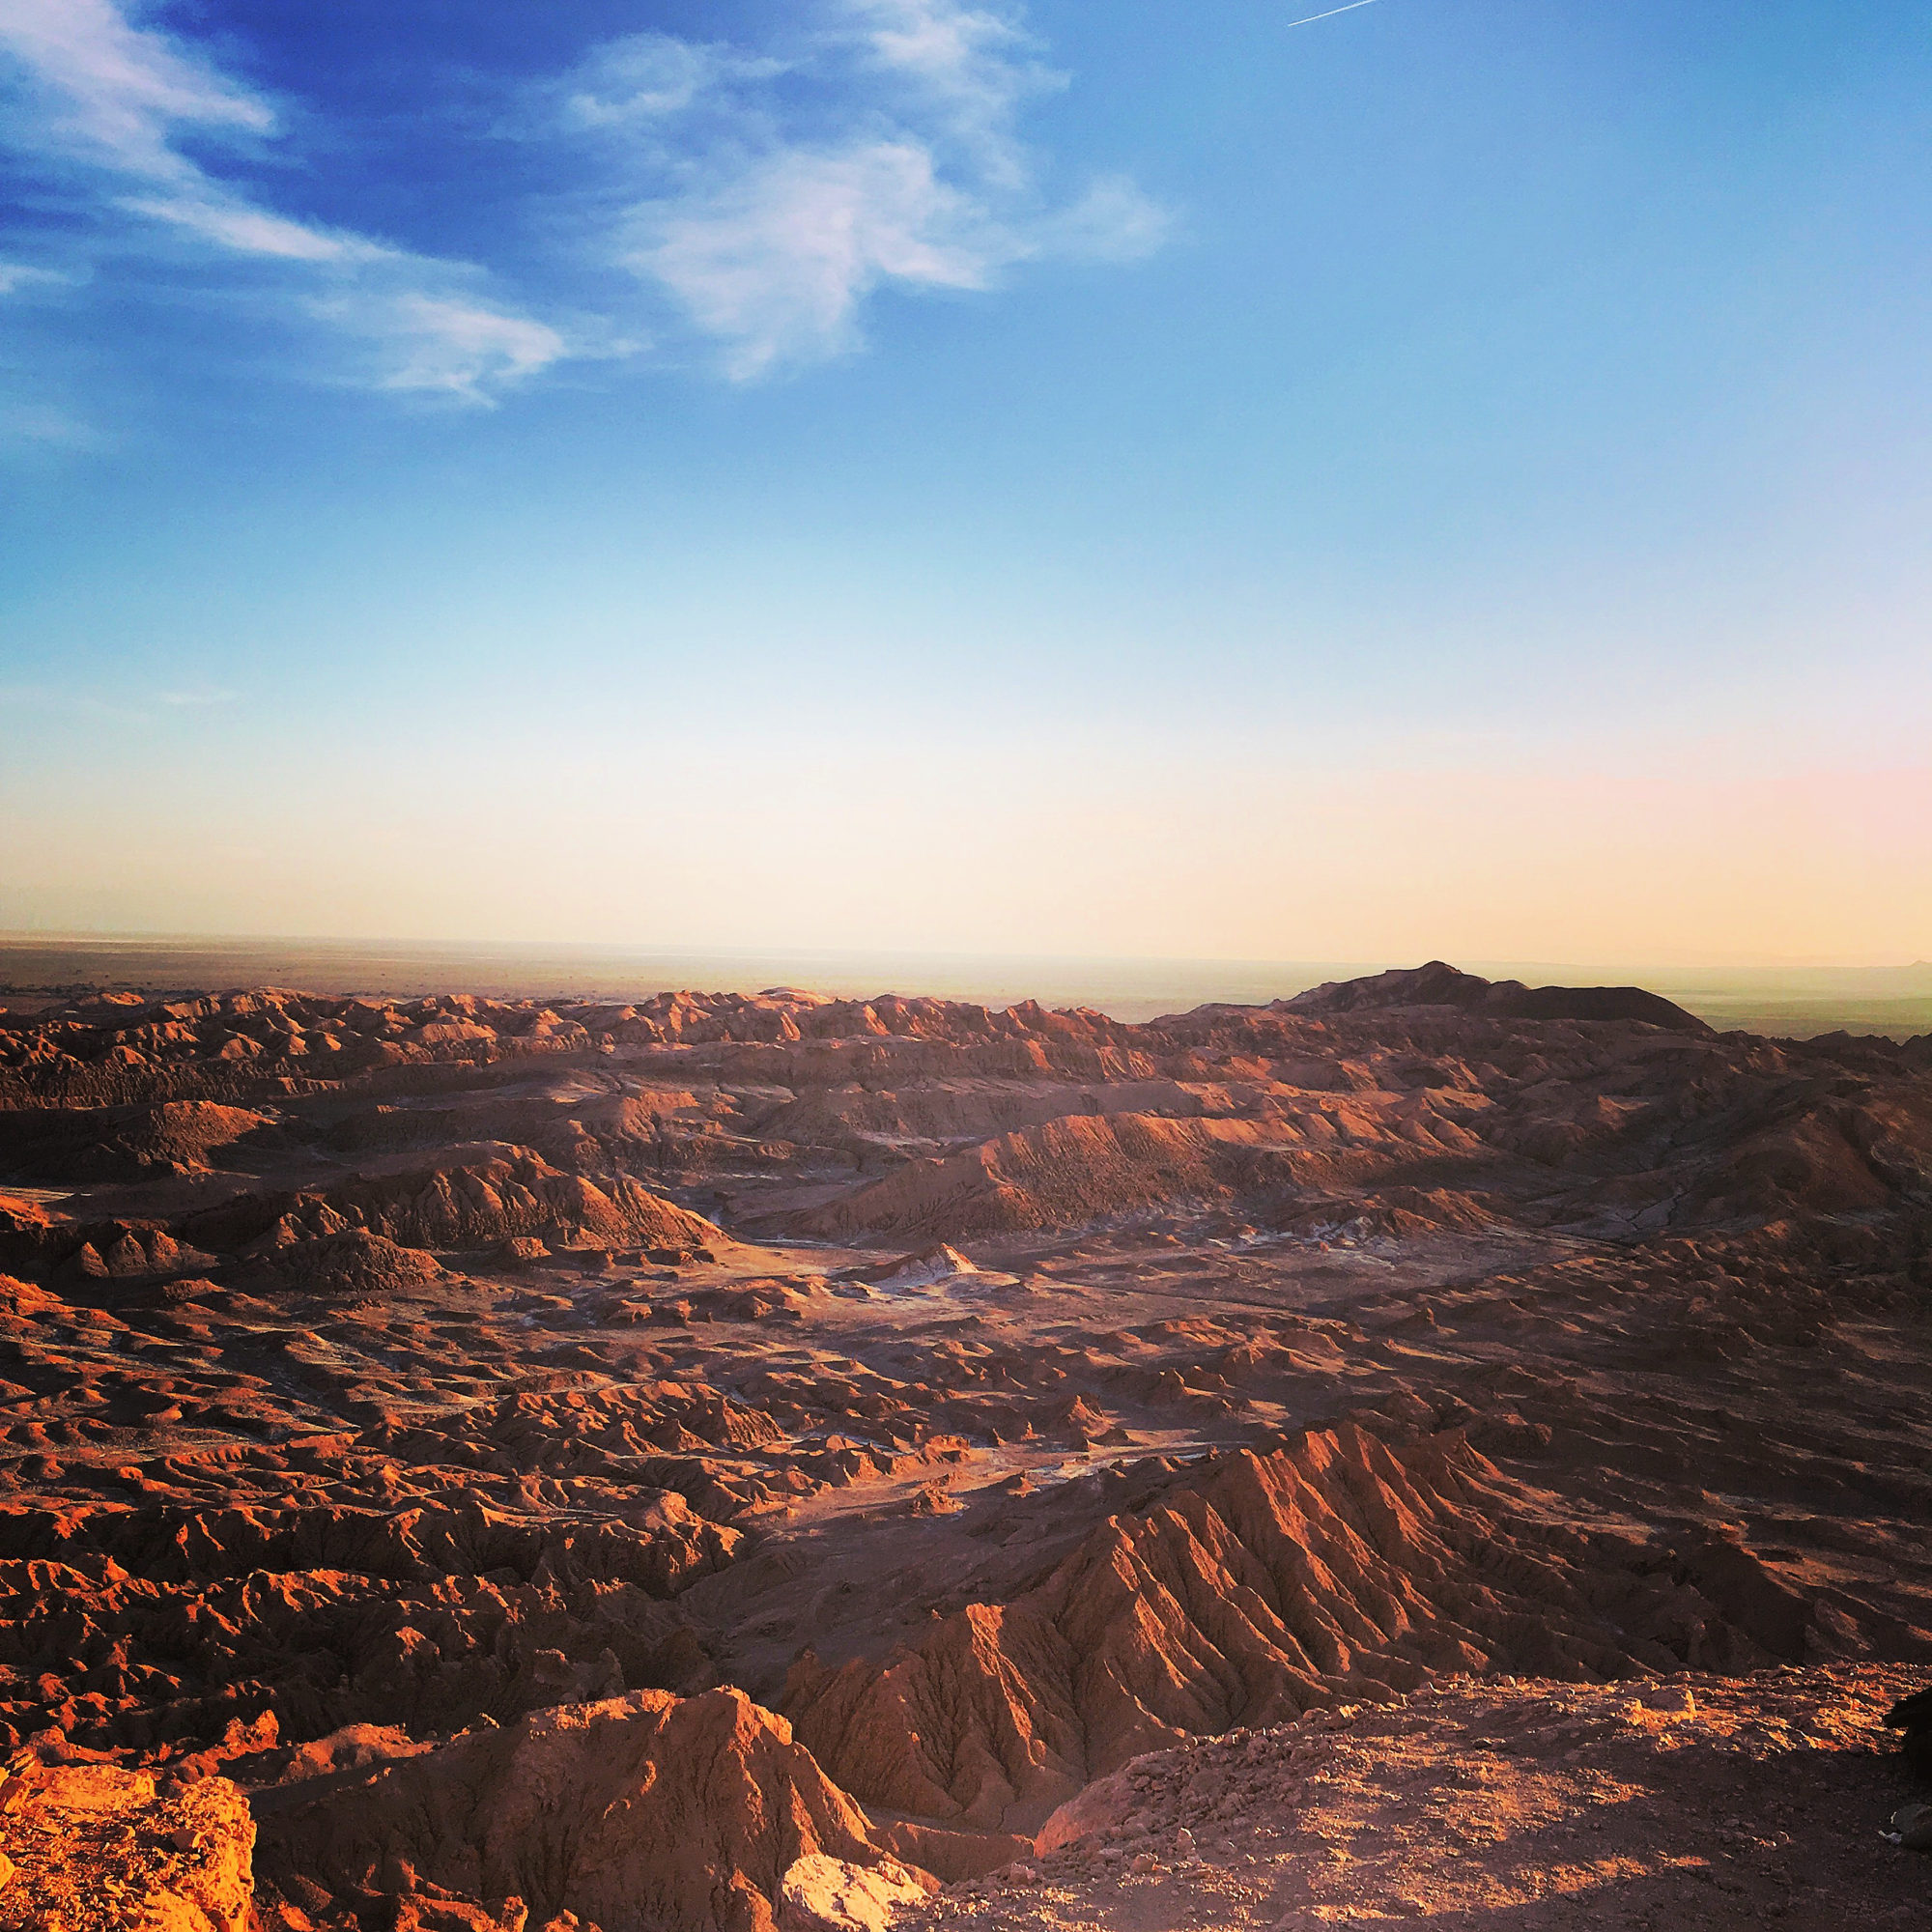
[86,1846]
[806,1445]
[634,1812]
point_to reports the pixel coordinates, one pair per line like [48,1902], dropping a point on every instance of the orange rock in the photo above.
[642,1811]
[88,1833]
[1339,1567]
[819,1893]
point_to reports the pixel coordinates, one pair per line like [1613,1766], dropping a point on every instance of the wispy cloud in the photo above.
[116,702]
[444,344]
[776,258]
[38,425]
[105,106]
[642,78]
[770,194]
[752,198]
[196,698]
[248,230]
[116,93]
[15,277]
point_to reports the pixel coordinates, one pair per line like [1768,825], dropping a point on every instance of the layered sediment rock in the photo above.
[1339,1568]
[638,1812]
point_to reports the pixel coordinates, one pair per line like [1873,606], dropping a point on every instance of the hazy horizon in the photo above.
[1791,1000]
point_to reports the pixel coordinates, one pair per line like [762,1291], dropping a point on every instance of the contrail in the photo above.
[1310,18]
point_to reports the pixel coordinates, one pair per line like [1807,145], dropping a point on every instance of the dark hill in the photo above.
[1440,984]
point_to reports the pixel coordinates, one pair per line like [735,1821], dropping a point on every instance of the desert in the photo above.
[1425,1447]
[965,966]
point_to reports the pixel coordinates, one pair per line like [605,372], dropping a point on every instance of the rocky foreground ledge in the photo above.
[1484,1806]
[93,1848]
[1488,1804]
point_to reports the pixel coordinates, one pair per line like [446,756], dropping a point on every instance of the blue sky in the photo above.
[1159,479]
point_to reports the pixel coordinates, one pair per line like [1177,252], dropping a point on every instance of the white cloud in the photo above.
[776,261]
[643,77]
[17,275]
[115,93]
[459,349]
[1113,222]
[253,231]
[104,105]
[770,196]
[964,51]
[760,195]
[974,67]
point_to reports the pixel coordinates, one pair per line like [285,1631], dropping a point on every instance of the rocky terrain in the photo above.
[737,1459]
[1697,1801]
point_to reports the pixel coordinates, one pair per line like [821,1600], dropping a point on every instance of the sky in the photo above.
[1445,479]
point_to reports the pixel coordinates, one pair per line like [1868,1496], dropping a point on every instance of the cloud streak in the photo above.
[770,219]
[749,202]
[37,425]
[102,107]
[15,276]
[115,93]
[1309,19]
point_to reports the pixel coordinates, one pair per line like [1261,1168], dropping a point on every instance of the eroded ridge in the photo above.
[828,1436]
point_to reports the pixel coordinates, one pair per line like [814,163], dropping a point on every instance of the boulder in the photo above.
[820,1893]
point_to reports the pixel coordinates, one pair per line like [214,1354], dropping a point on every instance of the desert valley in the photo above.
[1422,1449]
[742,1186]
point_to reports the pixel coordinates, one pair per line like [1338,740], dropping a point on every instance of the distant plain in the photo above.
[1792,1002]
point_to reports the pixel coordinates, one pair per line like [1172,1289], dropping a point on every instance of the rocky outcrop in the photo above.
[1061,1174]
[1337,1567]
[1089,1168]
[462,1204]
[1603,1331]
[425,1613]
[347,1262]
[93,1848]
[827,1894]
[1739,1803]
[641,1813]
[172,1137]
[1912,1716]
